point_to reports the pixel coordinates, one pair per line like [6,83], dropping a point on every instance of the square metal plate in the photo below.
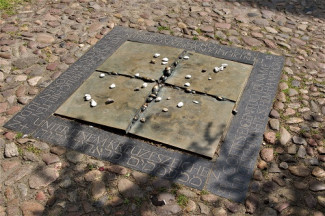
[228,83]
[119,114]
[196,127]
[132,58]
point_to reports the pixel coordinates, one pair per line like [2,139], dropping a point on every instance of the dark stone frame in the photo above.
[228,176]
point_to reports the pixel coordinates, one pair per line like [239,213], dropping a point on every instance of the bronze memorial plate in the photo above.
[118,114]
[228,83]
[197,126]
[194,113]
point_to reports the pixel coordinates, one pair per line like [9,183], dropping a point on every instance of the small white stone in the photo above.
[144,85]
[196,102]
[164,63]
[186,57]
[168,98]
[137,75]
[216,69]
[87,97]
[180,104]
[224,65]
[112,86]
[221,68]
[158,99]
[93,103]
[209,78]
[187,84]
[165,109]
[101,75]
[156,55]
[165,59]
[188,76]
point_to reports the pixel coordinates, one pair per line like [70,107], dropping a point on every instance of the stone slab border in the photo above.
[228,176]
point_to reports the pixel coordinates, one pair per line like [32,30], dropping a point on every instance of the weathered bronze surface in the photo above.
[228,83]
[194,127]
[118,114]
[132,58]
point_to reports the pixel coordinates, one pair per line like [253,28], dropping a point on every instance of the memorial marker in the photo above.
[167,90]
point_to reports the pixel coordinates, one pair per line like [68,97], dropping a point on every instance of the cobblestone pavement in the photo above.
[43,38]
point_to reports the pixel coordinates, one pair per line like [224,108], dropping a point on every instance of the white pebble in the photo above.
[137,75]
[144,85]
[164,63]
[158,99]
[156,55]
[188,76]
[87,97]
[101,75]
[169,98]
[224,65]
[165,109]
[180,104]
[209,78]
[93,103]
[196,102]
[165,59]
[216,69]
[187,84]
[221,68]
[112,86]
[186,57]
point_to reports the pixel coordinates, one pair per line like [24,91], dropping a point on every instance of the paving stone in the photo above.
[32,208]
[50,158]
[252,41]
[117,169]
[191,206]
[317,186]
[270,137]
[300,171]
[282,206]
[321,200]
[22,63]
[30,156]
[219,212]
[267,154]
[301,152]
[10,165]
[45,38]
[251,204]
[11,150]
[140,178]
[23,189]
[207,29]
[187,193]
[299,140]
[115,201]
[232,207]
[128,189]
[204,209]
[98,189]
[211,198]
[169,209]
[43,177]
[34,81]
[222,25]
[93,175]
[310,200]
[284,136]
[19,174]
[58,150]
[274,124]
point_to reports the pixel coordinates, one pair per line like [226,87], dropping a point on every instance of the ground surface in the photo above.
[42,38]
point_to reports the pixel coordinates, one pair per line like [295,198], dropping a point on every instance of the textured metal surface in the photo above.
[118,114]
[228,83]
[132,58]
[193,127]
